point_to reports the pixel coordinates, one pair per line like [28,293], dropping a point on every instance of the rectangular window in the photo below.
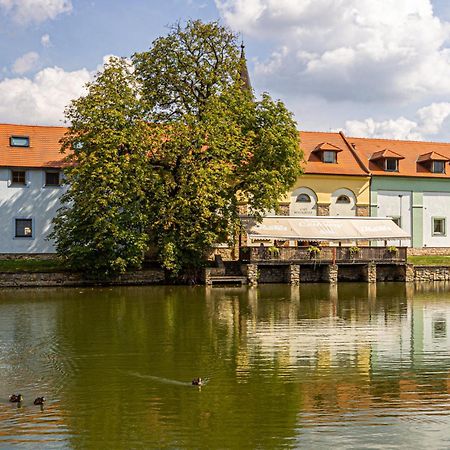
[329,157]
[19,141]
[24,228]
[438,226]
[438,167]
[52,178]
[391,165]
[18,177]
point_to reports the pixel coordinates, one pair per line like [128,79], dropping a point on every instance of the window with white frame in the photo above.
[329,157]
[438,167]
[24,228]
[391,165]
[438,226]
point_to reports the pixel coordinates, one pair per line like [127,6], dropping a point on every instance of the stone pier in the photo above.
[331,273]
[370,273]
[294,274]
[409,273]
[251,272]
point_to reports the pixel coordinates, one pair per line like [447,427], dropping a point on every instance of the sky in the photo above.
[372,68]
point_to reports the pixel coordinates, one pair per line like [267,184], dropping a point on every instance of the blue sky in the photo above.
[337,64]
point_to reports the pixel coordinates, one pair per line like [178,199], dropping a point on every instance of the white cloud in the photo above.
[29,11]
[25,63]
[360,50]
[42,99]
[45,40]
[430,120]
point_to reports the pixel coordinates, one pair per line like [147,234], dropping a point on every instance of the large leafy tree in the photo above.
[218,145]
[165,149]
[101,227]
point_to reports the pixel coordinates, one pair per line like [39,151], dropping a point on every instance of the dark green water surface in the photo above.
[353,366]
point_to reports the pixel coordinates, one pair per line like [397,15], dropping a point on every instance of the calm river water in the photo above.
[355,366]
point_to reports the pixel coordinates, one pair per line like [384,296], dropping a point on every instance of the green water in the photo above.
[316,367]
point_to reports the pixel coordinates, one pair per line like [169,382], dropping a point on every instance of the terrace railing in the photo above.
[325,254]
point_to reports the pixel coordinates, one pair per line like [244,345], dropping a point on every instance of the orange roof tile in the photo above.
[323,146]
[348,162]
[44,149]
[432,156]
[411,150]
[386,153]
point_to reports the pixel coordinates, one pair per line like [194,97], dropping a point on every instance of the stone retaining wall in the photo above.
[431,273]
[33,256]
[429,251]
[58,279]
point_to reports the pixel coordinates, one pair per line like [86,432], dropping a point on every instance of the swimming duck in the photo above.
[39,400]
[197,382]
[15,398]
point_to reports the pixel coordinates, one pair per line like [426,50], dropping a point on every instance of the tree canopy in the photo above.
[167,148]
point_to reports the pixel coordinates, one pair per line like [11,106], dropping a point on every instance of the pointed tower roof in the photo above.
[245,77]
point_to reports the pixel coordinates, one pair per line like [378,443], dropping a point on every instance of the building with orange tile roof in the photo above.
[335,180]
[410,182]
[30,186]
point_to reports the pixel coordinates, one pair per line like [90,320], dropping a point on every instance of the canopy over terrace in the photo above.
[326,228]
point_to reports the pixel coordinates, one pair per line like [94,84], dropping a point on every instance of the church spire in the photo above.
[245,77]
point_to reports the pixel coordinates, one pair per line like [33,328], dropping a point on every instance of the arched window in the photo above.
[343,199]
[303,198]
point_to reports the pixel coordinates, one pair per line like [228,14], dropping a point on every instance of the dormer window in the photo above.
[19,141]
[327,152]
[387,160]
[433,161]
[438,167]
[391,165]
[329,156]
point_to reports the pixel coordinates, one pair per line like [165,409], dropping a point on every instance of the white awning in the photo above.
[324,228]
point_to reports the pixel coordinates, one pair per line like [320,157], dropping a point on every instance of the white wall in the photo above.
[33,201]
[343,209]
[303,209]
[396,204]
[435,204]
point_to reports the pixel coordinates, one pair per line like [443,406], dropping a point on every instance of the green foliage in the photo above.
[169,149]
[274,251]
[392,249]
[101,227]
[354,251]
[218,145]
[314,251]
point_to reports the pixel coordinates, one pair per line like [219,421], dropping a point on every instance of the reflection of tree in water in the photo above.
[278,358]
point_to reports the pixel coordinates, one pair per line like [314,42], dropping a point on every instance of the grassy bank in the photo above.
[429,260]
[30,265]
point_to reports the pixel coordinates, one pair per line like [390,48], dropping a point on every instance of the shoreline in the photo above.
[157,277]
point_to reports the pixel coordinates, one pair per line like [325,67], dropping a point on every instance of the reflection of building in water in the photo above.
[287,326]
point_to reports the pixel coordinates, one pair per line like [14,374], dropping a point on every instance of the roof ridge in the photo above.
[398,140]
[28,125]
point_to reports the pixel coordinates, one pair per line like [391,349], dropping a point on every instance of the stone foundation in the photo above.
[429,251]
[432,273]
[68,279]
[33,256]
